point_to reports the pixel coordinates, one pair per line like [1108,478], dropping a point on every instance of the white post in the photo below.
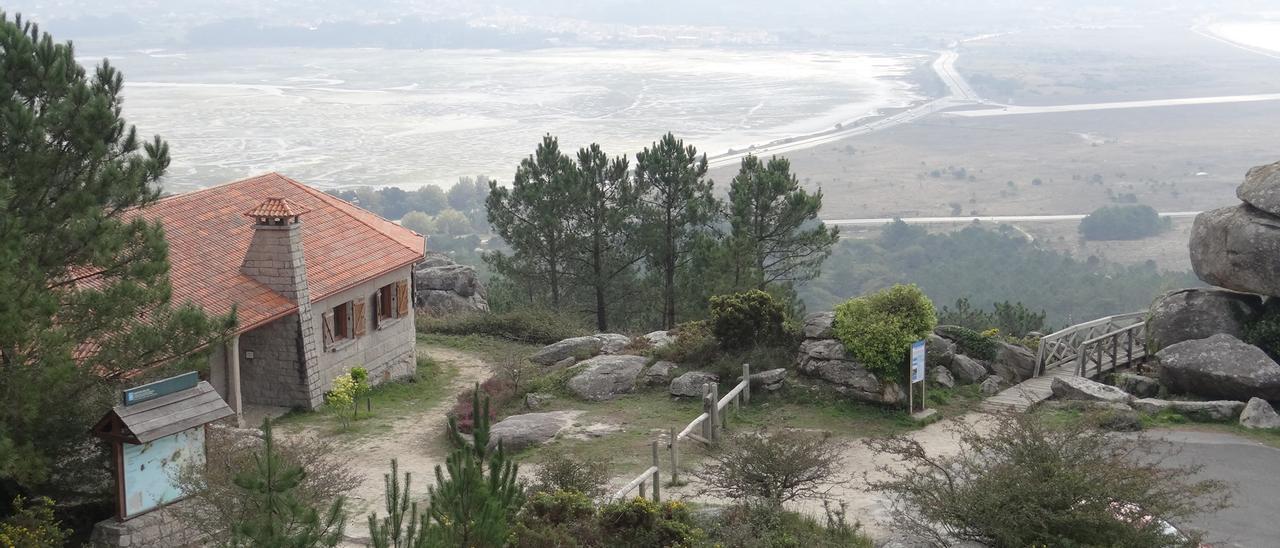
[657,474]
[746,390]
[233,378]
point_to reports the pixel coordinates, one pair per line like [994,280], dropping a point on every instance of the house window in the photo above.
[390,301]
[386,301]
[341,322]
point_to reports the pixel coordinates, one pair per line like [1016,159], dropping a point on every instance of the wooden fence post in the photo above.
[709,409]
[715,412]
[675,458]
[657,475]
[642,489]
[746,390]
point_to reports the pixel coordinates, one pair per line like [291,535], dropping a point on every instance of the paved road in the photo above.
[1252,469]
[981,218]
[1010,110]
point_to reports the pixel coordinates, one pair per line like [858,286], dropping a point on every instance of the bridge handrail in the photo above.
[1053,348]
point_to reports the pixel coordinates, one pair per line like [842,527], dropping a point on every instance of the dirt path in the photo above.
[417,442]
[871,509]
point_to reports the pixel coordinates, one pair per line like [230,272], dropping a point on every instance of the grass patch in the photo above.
[389,402]
[527,326]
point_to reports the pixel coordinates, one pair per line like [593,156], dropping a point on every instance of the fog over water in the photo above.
[346,117]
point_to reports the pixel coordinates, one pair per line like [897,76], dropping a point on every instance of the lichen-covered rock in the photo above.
[660,373]
[607,377]
[823,349]
[771,380]
[1220,366]
[659,339]
[520,431]
[938,352]
[1138,385]
[1080,388]
[967,370]
[1237,248]
[1208,411]
[942,377]
[442,286]
[1259,414]
[1012,363]
[535,400]
[579,348]
[443,303]
[818,325]
[991,386]
[612,343]
[1261,188]
[689,385]
[1198,313]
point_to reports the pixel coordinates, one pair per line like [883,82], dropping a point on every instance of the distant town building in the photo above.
[319,286]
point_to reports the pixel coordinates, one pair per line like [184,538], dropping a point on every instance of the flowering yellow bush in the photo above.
[32,525]
[342,398]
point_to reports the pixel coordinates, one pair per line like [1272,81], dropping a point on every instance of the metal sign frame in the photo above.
[915,375]
[163,387]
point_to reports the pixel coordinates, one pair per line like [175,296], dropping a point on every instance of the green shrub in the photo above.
[970,342]
[1264,332]
[562,519]
[878,329]
[748,319]
[640,523]
[694,345]
[560,471]
[1122,223]
[771,526]
[32,523]
[530,326]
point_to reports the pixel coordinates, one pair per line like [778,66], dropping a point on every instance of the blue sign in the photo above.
[162,387]
[917,362]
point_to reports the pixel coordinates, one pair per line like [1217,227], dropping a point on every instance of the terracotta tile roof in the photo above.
[209,234]
[276,207]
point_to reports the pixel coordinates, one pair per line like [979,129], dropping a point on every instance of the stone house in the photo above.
[318,285]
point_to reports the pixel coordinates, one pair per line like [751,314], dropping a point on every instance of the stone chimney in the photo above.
[275,259]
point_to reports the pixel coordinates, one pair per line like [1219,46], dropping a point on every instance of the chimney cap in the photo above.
[274,207]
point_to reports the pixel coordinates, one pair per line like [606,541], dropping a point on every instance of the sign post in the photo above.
[917,377]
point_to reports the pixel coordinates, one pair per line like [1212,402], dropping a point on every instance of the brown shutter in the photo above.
[351,331]
[377,307]
[402,298]
[327,328]
[359,318]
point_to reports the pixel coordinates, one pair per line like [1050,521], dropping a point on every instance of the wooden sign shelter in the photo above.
[152,437]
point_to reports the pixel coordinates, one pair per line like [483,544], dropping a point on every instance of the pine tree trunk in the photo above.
[597,264]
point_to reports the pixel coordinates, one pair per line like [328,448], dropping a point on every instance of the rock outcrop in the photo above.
[818,325]
[520,431]
[442,286]
[580,348]
[1209,411]
[1259,414]
[771,380]
[660,373]
[1220,366]
[689,385]
[606,377]
[1261,188]
[1198,313]
[967,370]
[1080,388]
[825,359]
[1013,363]
[659,339]
[1138,385]
[1237,248]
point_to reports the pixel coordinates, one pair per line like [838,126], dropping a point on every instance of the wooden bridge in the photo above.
[1088,349]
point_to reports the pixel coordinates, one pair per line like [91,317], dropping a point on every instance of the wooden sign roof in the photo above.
[169,414]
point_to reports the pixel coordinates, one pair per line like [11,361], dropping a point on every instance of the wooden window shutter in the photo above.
[327,320]
[351,331]
[359,318]
[402,298]
[376,299]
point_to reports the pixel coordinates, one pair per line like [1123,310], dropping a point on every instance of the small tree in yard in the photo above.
[775,467]
[1032,482]
[277,517]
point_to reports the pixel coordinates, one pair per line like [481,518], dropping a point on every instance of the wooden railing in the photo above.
[650,475]
[1098,350]
[713,418]
[1071,345]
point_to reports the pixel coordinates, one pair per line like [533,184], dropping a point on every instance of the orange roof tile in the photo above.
[208,236]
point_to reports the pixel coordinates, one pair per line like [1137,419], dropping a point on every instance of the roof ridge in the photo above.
[212,188]
[342,205]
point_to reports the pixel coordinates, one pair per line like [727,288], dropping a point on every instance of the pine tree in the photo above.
[280,520]
[476,492]
[776,233]
[604,228]
[531,216]
[677,205]
[84,287]
[393,531]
